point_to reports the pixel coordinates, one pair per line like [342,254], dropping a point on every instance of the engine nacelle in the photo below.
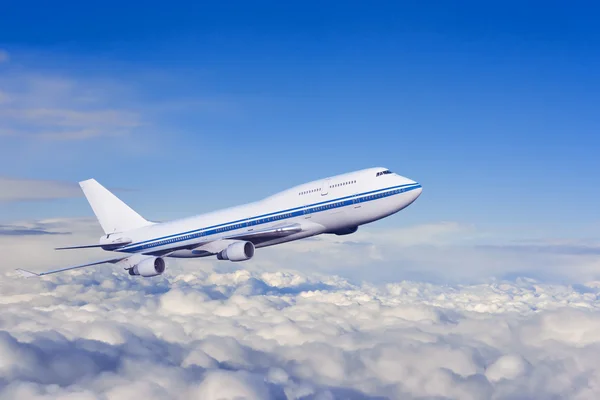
[345,231]
[148,267]
[238,251]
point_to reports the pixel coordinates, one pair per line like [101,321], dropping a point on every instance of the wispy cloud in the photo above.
[15,230]
[444,252]
[34,106]
[14,189]
[433,253]
[560,249]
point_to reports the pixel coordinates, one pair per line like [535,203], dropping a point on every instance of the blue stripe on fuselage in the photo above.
[270,217]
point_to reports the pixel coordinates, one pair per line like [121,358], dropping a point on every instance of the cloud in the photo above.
[230,385]
[443,253]
[13,189]
[62,117]
[565,249]
[262,329]
[7,230]
[199,333]
[25,250]
[52,107]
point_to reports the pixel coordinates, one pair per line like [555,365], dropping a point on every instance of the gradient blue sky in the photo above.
[493,108]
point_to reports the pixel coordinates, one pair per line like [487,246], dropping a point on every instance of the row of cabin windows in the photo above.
[330,186]
[310,191]
[342,184]
[326,206]
[387,171]
[379,195]
[282,216]
[258,221]
[228,228]
[273,218]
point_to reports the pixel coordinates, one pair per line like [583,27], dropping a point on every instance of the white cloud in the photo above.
[207,330]
[445,252]
[59,108]
[190,334]
[221,384]
[62,117]
[449,253]
[13,189]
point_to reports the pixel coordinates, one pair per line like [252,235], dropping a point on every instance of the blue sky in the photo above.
[186,107]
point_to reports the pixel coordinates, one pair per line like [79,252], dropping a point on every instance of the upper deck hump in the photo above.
[368,172]
[288,198]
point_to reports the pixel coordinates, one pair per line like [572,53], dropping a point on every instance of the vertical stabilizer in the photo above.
[112,213]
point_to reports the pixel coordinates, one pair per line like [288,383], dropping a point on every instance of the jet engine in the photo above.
[345,231]
[238,251]
[148,267]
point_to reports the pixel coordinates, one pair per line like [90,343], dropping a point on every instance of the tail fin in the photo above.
[112,213]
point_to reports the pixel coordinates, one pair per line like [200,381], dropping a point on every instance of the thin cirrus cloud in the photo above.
[15,189]
[20,189]
[37,105]
[15,230]
[65,124]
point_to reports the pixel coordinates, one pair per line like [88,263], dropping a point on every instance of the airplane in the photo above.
[335,205]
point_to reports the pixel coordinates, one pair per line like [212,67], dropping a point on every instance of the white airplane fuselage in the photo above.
[337,205]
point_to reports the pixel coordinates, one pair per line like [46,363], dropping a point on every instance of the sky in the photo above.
[486,287]
[192,107]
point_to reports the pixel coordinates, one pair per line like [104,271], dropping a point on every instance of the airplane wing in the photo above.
[29,274]
[208,247]
[262,235]
[214,246]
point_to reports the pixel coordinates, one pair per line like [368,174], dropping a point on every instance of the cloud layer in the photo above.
[263,330]
[204,334]
[445,252]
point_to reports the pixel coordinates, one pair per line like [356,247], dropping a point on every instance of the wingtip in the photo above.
[26,274]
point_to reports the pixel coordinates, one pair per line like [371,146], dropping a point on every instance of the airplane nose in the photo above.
[417,192]
[414,187]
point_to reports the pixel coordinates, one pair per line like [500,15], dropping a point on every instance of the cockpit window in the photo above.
[387,171]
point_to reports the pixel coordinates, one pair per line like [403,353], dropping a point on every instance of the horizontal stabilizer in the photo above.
[26,274]
[29,274]
[107,246]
